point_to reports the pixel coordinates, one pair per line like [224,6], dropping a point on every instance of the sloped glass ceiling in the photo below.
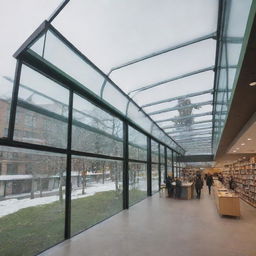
[161,54]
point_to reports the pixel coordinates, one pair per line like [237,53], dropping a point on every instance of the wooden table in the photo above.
[227,203]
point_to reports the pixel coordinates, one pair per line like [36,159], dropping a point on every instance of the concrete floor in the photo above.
[162,226]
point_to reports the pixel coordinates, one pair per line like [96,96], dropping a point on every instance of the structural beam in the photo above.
[189,131]
[163,51]
[180,126]
[184,117]
[192,136]
[194,105]
[177,98]
[196,158]
[58,10]
[150,86]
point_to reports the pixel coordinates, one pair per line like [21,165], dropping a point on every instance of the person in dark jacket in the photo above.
[198,185]
[169,186]
[209,182]
[232,183]
[178,188]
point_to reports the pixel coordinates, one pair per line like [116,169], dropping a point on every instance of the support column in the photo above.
[149,168]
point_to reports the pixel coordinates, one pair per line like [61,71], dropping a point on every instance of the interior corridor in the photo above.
[164,226]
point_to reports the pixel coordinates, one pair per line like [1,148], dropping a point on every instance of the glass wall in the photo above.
[137,166]
[94,130]
[73,138]
[42,111]
[162,164]
[169,162]
[97,191]
[32,200]
[155,166]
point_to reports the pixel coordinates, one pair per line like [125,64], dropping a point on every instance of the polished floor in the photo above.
[162,226]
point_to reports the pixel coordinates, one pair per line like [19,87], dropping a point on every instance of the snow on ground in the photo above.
[13,205]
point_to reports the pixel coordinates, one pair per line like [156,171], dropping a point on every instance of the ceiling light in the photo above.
[252,83]
[242,144]
[237,148]
[249,139]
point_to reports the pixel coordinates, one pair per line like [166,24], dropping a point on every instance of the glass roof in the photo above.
[162,55]
[165,64]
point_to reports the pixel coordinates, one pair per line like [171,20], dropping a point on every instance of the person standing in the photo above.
[178,188]
[232,183]
[198,185]
[209,182]
[169,186]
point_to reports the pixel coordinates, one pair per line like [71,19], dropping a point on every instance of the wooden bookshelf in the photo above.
[244,174]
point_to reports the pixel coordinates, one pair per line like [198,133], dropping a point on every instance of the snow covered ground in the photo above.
[13,205]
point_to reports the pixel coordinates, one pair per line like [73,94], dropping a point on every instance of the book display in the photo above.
[244,175]
[227,202]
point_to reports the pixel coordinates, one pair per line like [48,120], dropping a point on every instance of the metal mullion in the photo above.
[184,117]
[173,48]
[172,164]
[189,131]
[177,98]
[159,166]
[25,145]
[137,161]
[165,162]
[95,155]
[58,10]
[13,107]
[125,166]
[69,169]
[218,54]
[209,102]
[150,86]
[182,126]
[149,168]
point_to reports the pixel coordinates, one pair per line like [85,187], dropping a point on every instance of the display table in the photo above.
[227,202]
[187,190]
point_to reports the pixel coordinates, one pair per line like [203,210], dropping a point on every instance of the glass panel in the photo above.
[140,31]
[182,61]
[137,182]
[32,200]
[162,154]
[115,97]
[57,52]
[192,84]
[162,174]
[94,130]
[154,152]
[42,110]
[97,191]
[174,103]
[137,145]
[155,178]
[6,86]
[138,117]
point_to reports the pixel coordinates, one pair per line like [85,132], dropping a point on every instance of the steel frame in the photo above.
[184,117]
[25,57]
